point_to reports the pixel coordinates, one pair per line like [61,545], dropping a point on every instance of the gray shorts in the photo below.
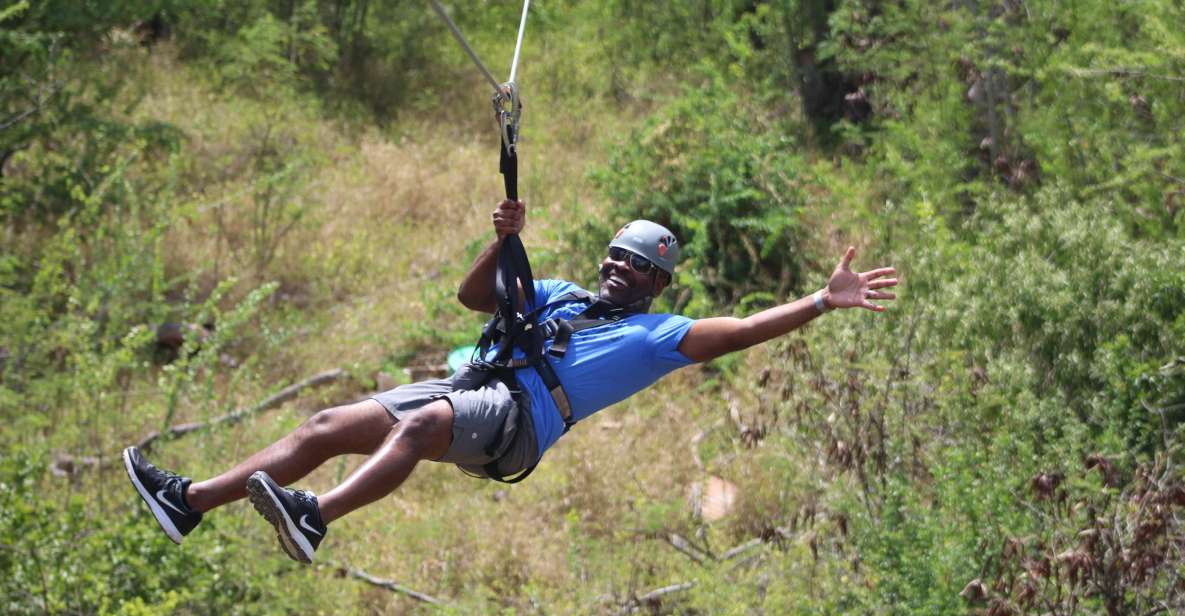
[488,423]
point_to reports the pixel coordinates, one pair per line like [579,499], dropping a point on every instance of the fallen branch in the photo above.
[68,465]
[382,583]
[653,597]
[742,548]
[271,402]
[684,546]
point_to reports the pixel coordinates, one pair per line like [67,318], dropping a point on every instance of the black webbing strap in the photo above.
[491,469]
[508,164]
[551,381]
[514,269]
[563,333]
[596,314]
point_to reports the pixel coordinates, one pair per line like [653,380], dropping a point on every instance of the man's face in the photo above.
[622,283]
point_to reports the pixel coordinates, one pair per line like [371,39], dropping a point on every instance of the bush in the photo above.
[1092,313]
[73,555]
[726,182]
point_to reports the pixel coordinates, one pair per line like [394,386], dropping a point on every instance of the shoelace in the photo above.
[173,481]
[306,498]
[174,485]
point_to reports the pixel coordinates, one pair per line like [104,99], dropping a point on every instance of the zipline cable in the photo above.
[505,95]
[461,39]
[522,26]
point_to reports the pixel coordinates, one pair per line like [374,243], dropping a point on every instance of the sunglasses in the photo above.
[637,262]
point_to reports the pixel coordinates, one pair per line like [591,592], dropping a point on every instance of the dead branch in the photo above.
[682,545]
[68,465]
[742,548]
[652,597]
[390,585]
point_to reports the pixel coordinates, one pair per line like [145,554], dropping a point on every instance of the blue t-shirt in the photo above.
[604,364]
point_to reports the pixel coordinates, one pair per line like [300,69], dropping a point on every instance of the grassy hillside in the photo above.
[301,186]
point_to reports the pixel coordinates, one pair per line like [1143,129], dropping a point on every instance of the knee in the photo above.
[323,424]
[430,429]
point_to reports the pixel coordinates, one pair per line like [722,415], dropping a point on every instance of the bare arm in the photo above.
[711,338]
[477,289]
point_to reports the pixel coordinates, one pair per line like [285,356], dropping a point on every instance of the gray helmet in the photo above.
[651,240]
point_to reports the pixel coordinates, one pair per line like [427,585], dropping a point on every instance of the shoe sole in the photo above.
[268,505]
[161,516]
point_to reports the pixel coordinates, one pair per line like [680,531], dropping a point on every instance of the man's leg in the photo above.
[358,428]
[423,435]
[301,519]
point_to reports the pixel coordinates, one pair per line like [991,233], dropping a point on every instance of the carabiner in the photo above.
[507,94]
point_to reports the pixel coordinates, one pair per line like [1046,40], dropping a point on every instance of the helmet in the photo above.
[651,240]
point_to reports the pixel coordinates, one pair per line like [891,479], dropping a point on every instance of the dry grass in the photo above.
[367,279]
[387,236]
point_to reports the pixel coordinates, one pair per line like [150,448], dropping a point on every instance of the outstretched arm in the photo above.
[710,338]
[477,289]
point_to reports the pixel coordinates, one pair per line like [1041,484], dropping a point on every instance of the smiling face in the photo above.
[623,285]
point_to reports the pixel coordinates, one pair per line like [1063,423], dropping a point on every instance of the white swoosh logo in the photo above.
[305,525]
[160,496]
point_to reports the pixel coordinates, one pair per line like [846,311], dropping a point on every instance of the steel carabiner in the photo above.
[508,108]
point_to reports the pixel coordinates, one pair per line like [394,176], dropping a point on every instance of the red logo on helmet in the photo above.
[619,232]
[665,242]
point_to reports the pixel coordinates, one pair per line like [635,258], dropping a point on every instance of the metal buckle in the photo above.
[508,108]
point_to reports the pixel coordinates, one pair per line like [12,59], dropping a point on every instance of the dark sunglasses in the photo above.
[637,262]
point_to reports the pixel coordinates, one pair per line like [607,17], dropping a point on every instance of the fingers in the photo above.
[880,284]
[509,217]
[846,263]
[878,272]
[871,306]
[880,295]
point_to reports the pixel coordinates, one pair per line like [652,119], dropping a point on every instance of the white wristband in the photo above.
[820,305]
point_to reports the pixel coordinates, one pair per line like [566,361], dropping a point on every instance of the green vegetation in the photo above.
[295,186]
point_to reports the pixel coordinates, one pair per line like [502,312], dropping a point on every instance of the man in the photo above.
[478,422]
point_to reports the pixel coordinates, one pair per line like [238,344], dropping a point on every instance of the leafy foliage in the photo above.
[726,184]
[1006,439]
[59,556]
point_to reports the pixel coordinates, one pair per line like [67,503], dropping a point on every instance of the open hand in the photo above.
[848,289]
[510,217]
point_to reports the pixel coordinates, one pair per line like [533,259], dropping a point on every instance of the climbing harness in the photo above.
[523,333]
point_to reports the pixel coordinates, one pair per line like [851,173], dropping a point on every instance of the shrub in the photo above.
[726,182]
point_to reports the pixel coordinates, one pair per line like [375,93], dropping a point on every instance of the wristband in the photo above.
[820,305]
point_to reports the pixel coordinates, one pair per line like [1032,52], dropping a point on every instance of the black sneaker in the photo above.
[294,513]
[165,494]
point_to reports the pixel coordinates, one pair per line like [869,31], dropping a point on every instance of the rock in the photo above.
[712,499]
